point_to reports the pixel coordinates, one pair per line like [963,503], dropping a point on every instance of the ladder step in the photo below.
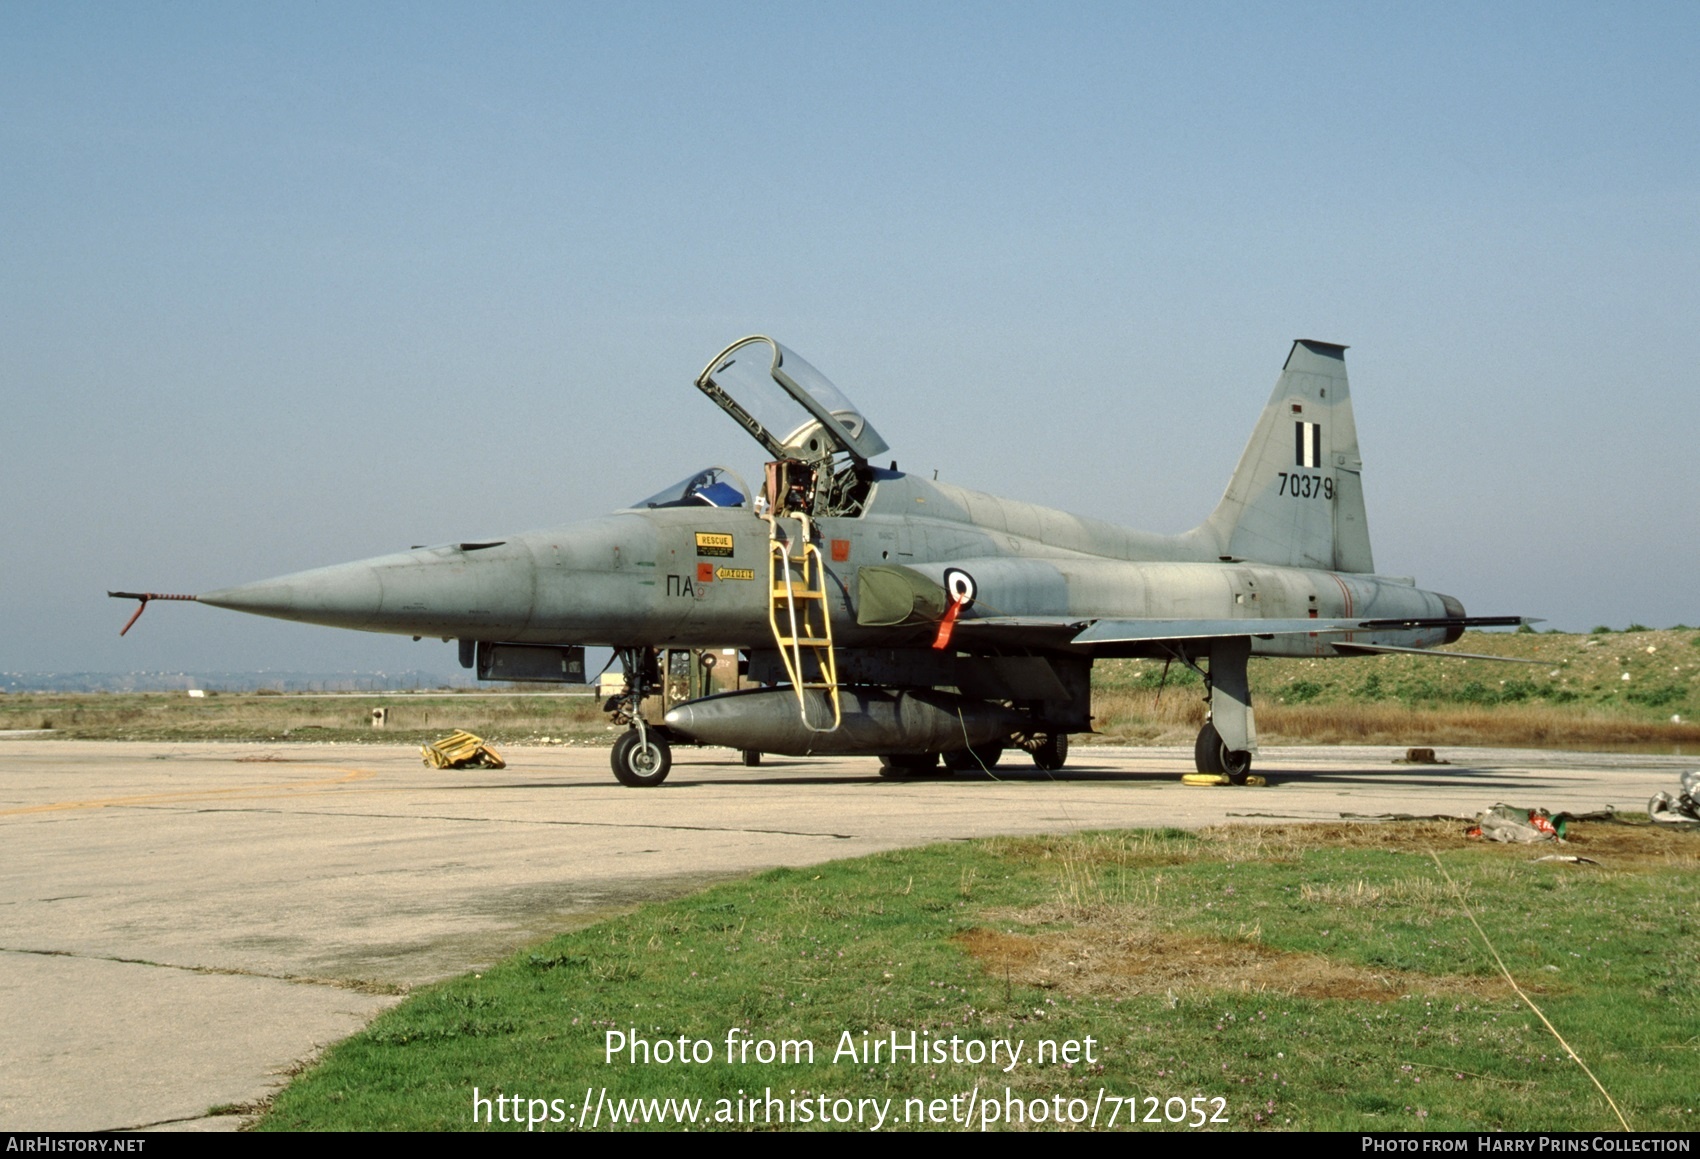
[797,598]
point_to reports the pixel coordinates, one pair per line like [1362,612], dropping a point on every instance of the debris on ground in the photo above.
[461,750]
[1515,825]
[1252,779]
[1420,757]
[1405,817]
[1683,809]
[1568,859]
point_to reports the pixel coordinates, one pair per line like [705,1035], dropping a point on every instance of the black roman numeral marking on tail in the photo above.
[1307,444]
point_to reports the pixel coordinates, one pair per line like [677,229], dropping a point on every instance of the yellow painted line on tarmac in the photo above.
[235,792]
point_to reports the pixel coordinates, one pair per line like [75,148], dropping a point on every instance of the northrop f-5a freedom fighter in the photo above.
[876,613]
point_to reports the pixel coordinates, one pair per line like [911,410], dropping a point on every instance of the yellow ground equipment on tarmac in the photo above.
[1218,779]
[461,750]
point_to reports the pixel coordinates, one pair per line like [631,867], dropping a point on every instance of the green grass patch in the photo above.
[1314,977]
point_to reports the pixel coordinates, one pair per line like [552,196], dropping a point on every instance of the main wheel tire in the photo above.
[1210,753]
[906,766]
[1207,750]
[1051,753]
[979,758]
[641,762]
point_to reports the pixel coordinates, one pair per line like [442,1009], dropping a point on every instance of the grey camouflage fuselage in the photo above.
[633,578]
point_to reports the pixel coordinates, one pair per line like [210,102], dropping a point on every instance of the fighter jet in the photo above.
[877,613]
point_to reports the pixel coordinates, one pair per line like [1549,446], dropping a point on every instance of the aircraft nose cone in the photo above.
[347,595]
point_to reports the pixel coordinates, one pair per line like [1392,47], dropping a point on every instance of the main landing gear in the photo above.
[1212,755]
[1228,741]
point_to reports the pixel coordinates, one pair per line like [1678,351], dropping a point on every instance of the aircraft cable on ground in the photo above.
[1500,962]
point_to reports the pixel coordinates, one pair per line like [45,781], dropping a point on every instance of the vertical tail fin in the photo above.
[1296,498]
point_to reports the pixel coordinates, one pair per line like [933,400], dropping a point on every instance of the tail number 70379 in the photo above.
[1306,486]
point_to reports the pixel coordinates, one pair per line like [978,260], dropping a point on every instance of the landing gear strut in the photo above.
[642,758]
[1228,741]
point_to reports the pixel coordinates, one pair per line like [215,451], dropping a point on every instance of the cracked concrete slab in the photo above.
[182,924]
[89,1042]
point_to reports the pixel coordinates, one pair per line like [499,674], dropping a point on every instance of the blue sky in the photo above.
[286,285]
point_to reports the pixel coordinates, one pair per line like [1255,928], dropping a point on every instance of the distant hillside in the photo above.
[1643,673]
[1634,687]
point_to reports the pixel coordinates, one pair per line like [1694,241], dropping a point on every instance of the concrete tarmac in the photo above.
[182,925]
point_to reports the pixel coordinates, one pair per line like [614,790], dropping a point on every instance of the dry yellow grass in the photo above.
[1120,954]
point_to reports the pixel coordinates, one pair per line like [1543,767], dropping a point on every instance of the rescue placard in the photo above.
[713,543]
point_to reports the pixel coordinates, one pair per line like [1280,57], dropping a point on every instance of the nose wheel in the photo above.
[641,759]
[1211,755]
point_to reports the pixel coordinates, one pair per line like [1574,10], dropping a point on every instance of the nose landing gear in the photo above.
[642,758]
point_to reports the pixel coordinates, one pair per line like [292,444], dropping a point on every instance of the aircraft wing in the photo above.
[1022,631]
[1054,631]
[1130,631]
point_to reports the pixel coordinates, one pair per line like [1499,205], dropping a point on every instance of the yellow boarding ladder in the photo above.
[801,622]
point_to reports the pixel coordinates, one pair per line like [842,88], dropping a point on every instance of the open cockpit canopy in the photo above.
[787,405]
